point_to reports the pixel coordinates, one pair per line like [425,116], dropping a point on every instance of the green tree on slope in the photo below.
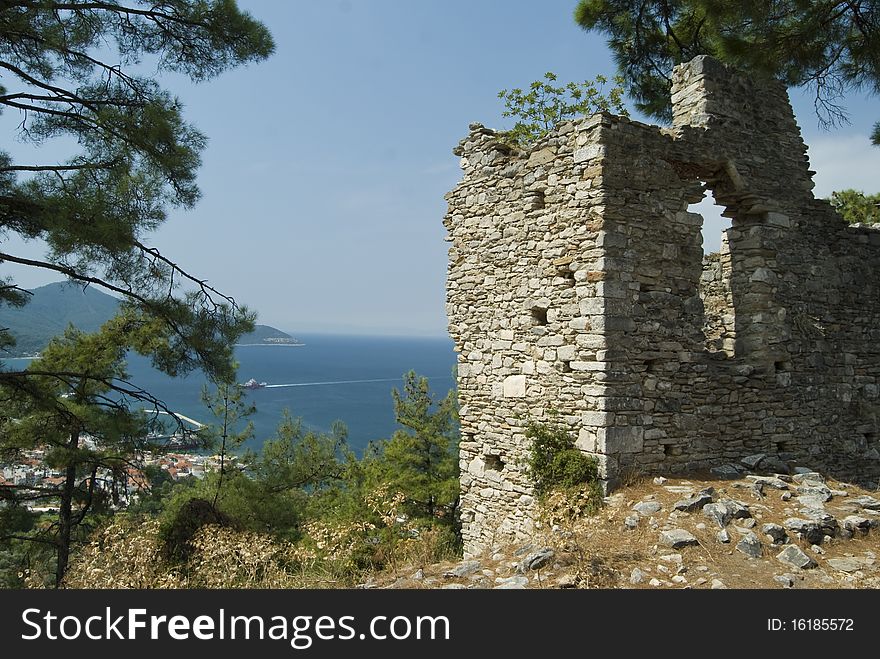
[421,459]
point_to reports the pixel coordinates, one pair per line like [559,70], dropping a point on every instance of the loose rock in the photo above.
[647,507]
[845,564]
[807,529]
[677,538]
[752,461]
[537,560]
[777,534]
[769,481]
[693,503]
[793,555]
[512,583]
[785,579]
[750,545]
[463,569]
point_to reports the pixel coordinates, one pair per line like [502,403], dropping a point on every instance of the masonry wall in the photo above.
[577,284]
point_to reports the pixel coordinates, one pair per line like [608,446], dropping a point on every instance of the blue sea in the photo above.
[346,378]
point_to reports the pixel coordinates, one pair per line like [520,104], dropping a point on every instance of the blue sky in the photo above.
[324,177]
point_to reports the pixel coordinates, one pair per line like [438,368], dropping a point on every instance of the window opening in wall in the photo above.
[566,273]
[719,319]
[782,367]
[714,225]
[871,439]
[783,447]
[539,315]
[493,462]
[534,199]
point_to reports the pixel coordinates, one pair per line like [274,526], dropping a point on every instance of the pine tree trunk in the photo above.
[65,514]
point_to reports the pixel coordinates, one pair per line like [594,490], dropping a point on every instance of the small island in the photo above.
[264,335]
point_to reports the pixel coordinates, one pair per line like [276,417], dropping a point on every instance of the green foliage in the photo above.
[857,207]
[875,135]
[544,105]
[555,462]
[334,516]
[421,459]
[70,73]
[825,45]
[227,405]
[274,490]
[63,397]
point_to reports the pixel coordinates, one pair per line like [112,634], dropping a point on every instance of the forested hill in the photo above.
[52,307]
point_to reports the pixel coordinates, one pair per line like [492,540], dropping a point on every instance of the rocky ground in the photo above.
[740,527]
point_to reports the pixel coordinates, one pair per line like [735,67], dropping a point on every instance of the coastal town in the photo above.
[31,475]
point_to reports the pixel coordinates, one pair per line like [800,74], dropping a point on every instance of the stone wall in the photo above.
[577,285]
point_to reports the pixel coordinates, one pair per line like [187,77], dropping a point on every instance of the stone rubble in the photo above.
[811,550]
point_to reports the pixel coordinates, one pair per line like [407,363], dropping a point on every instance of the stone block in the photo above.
[514,386]
[622,439]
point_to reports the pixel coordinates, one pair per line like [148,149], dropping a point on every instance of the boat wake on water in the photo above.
[316,384]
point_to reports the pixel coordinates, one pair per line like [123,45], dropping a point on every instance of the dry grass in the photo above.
[598,551]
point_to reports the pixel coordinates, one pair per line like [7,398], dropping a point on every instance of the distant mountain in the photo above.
[52,307]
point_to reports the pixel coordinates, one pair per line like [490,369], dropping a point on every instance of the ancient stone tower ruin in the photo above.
[577,283]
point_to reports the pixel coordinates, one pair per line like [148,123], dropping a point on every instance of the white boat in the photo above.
[253,384]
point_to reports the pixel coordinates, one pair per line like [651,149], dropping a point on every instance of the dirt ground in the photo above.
[618,548]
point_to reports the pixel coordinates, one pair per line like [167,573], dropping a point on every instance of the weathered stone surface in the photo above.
[637,576]
[845,564]
[750,545]
[723,536]
[828,524]
[511,583]
[576,283]
[769,481]
[807,529]
[807,476]
[463,569]
[777,534]
[866,502]
[752,461]
[859,523]
[647,507]
[795,557]
[811,501]
[725,510]
[537,560]
[693,503]
[631,522]
[786,580]
[677,538]
[813,489]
